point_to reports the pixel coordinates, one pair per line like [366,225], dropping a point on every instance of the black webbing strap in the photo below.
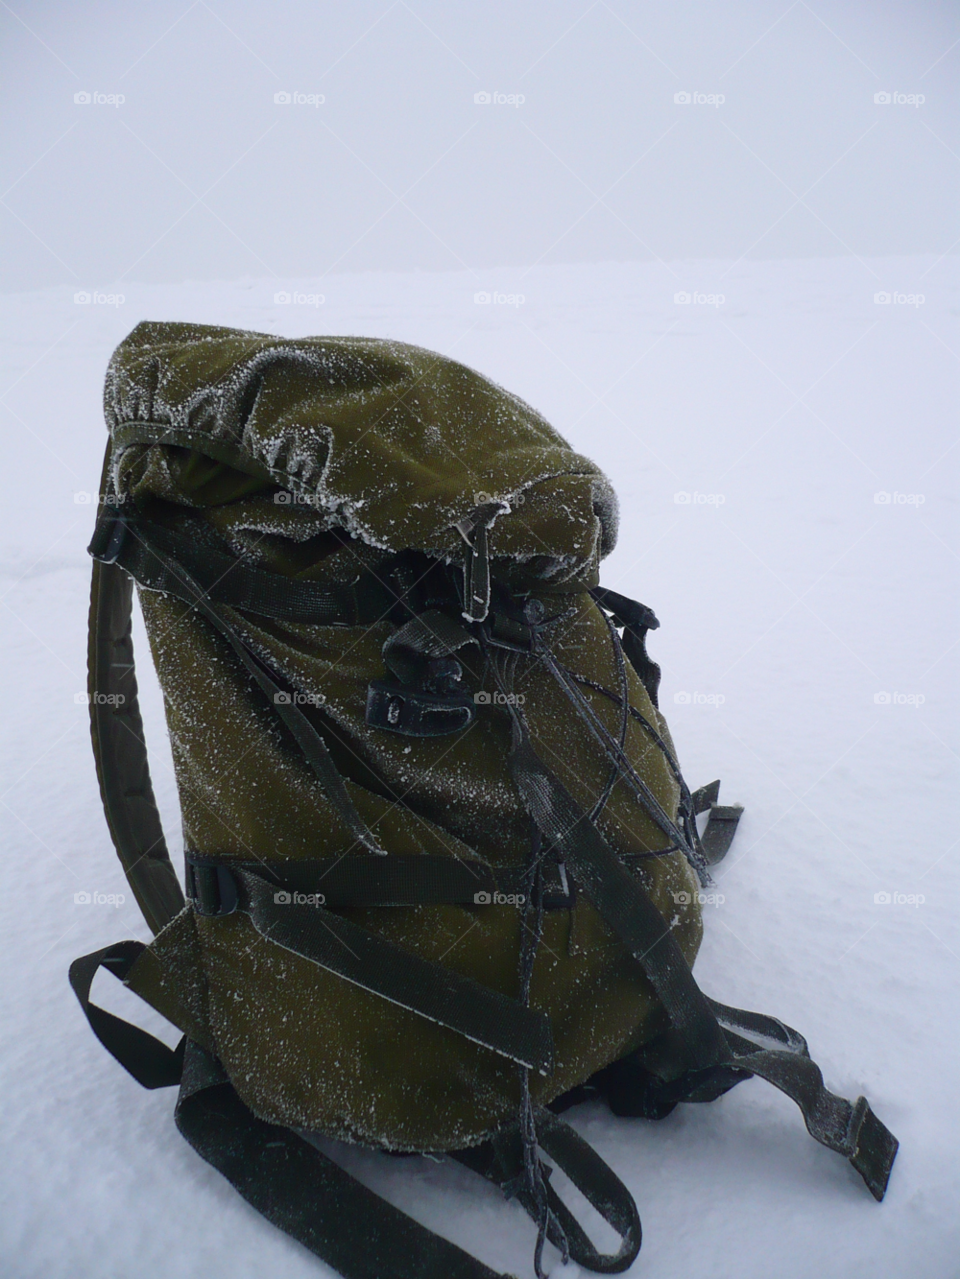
[130,540]
[278,693]
[699,1036]
[303,1192]
[617,895]
[151,1062]
[418,879]
[500,1160]
[288,1180]
[120,753]
[852,1130]
[428,989]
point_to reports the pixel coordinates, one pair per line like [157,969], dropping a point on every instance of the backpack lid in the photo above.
[391,442]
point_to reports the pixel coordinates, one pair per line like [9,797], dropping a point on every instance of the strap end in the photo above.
[875,1148]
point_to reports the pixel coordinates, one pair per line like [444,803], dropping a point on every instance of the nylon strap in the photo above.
[617,895]
[151,1062]
[309,740]
[223,578]
[120,753]
[428,989]
[419,879]
[285,1178]
[500,1160]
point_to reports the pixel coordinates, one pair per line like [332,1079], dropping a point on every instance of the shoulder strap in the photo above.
[120,751]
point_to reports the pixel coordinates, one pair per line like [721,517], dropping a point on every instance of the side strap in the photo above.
[698,1036]
[309,740]
[428,989]
[617,895]
[286,1179]
[151,1062]
[303,1192]
[129,540]
[120,753]
[500,1160]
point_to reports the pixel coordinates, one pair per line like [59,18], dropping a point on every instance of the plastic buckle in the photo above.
[402,708]
[211,887]
[109,535]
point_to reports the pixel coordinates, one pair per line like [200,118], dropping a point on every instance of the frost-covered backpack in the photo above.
[443,874]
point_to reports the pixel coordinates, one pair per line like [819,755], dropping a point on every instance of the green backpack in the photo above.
[443,874]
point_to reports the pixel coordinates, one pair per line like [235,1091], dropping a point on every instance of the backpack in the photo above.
[444,877]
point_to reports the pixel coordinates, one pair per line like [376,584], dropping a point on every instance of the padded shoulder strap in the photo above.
[120,751]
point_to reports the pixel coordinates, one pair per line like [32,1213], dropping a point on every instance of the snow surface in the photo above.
[797,599]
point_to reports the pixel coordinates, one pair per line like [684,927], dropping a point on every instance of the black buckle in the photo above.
[109,535]
[211,886]
[402,708]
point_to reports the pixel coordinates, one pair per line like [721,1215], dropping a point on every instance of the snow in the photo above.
[790,599]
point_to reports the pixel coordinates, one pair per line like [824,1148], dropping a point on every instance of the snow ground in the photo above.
[797,600]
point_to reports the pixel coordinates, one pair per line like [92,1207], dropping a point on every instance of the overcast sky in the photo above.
[583,152]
